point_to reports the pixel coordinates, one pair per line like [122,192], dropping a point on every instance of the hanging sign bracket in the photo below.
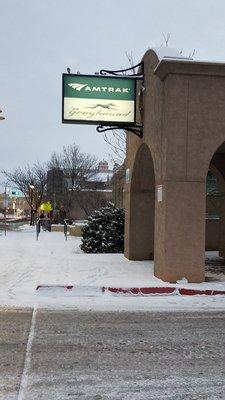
[122,72]
[136,129]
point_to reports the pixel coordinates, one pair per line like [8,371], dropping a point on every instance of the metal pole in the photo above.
[38,228]
[5,210]
[32,211]
[31,206]
[65,229]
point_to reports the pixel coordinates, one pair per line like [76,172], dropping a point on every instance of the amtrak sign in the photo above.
[97,99]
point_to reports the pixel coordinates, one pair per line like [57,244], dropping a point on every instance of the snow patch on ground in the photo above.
[26,263]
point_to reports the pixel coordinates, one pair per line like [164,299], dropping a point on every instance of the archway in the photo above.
[215,202]
[139,238]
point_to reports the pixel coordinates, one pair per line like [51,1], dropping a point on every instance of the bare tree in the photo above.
[116,139]
[90,199]
[117,142]
[55,161]
[77,168]
[166,38]
[192,53]
[131,62]
[165,43]
[31,181]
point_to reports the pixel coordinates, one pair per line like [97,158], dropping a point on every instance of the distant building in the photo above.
[15,203]
[96,191]
[102,178]
[55,186]
[103,166]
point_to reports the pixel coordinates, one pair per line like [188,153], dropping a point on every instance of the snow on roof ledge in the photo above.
[169,53]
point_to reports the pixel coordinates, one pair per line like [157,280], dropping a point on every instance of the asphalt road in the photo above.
[99,356]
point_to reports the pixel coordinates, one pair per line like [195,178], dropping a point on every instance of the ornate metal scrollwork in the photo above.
[120,72]
[136,129]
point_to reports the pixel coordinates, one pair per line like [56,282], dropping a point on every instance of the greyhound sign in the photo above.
[97,99]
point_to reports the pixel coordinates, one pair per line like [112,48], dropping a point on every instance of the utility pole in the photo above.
[31,204]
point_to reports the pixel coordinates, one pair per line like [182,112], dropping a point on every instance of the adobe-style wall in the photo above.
[184,124]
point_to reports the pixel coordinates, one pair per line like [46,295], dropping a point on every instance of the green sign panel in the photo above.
[98,99]
[14,192]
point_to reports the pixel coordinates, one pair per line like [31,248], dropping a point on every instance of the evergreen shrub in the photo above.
[104,231]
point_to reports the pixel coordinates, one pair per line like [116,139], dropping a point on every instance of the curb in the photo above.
[148,291]
[67,287]
[145,291]
[141,291]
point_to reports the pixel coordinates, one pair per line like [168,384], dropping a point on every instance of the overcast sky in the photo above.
[39,39]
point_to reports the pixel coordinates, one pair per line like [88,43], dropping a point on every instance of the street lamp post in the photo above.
[5,203]
[1,119]
[5,206]
[31,204]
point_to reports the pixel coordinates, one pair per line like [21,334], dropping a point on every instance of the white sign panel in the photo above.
[159,193]
[127,175]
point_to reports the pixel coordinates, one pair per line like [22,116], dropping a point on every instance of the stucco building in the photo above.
[183,138]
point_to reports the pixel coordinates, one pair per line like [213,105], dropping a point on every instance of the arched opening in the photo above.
[215,214]
[139,244]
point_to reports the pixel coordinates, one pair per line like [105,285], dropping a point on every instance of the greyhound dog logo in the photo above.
[109,106]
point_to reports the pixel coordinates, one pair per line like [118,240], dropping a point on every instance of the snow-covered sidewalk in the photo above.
[26,263]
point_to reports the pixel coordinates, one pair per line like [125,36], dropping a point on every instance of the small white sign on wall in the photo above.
[127,175]
[159,193]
